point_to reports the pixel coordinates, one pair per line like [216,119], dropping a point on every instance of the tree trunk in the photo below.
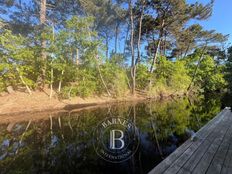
[133,68]
[43,42]
[126,39]
[116,38]
[198,64]
[155,55]
[186,51]
[140,30]
[22,80]
[103,82]
[51,84]
[107,46]
[157,48]
[77,56]
[60,82]
[165,44]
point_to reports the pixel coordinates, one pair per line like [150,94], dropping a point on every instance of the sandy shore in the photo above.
[20,106]
[19,102]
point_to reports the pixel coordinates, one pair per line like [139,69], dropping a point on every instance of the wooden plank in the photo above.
[218,160]
[198,154]
[177,165]
[227,165]
[196,157]
[207,158]
[188,147]
[209,155]
[178,152]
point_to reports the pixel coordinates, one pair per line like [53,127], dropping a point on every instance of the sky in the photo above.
[221,20]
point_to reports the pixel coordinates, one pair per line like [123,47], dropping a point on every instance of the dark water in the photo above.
[63,143]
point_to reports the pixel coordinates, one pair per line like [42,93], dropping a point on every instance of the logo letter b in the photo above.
[113,139]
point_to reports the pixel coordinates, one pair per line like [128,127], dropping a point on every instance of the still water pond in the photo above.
[63,143]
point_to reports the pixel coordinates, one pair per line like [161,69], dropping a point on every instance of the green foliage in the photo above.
[209,76]
[228,69]
[68,50]
[115,78]
[142,77]
[117,59]
[2,85]
[157,89]
[17,60]
[170,77]
[179,79]
[85,84]
[120,84]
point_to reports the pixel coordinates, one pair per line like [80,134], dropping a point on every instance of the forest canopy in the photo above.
[111,47]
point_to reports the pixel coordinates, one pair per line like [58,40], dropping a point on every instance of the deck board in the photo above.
[210,153]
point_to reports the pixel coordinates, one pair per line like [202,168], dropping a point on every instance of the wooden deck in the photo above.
[211,153]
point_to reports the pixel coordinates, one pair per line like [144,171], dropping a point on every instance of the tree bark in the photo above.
[126,39]
[116,37]
[157,47]
[22,80]
[51,84]
[133,68]
[103,81]
[186,51]
[107,46]
[43,41]
[155,55]
[77,56]
[140,30]
[198,64]
[60,82]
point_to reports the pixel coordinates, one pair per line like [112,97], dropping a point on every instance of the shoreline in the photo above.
[19,104]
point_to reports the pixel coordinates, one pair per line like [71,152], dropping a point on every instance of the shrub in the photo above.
[169,77]
[120,84]
[142,77]
[2,85]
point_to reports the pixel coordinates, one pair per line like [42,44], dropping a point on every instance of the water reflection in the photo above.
[62,143]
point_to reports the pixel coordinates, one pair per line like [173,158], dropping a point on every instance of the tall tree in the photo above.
[41,79]
[133,65]
[170,17]
[208,37]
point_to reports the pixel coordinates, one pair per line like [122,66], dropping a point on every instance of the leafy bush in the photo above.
[120,84]
[85,84]
[142,77]
[179,79]
[170,77]
[2,85]
[115,78]
[85,88]
[18,61]
[209,76]
[158,89]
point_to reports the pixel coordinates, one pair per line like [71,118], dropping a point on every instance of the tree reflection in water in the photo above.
[63,142]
